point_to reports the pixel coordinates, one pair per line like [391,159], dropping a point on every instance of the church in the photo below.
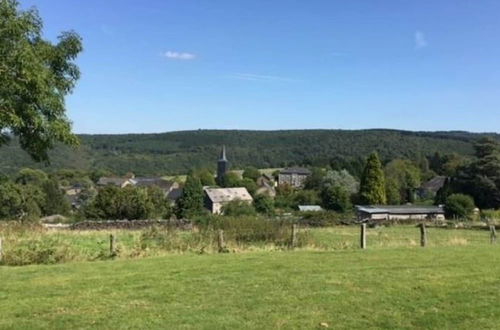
[216,198]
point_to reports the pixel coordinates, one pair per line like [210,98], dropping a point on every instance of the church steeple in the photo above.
[223,154]
[222,166]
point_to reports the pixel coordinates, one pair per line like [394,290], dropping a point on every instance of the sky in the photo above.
[160,65]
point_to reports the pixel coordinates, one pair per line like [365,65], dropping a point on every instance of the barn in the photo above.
[399,212]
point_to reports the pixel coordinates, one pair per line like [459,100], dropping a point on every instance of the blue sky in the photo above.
[156,65]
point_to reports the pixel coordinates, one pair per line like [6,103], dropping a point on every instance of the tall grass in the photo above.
[32,244]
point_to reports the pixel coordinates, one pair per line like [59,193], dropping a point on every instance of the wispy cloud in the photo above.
[179,56]
[260,77]
[420,40]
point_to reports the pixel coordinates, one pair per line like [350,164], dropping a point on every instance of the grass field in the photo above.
[452,287]
[26,245]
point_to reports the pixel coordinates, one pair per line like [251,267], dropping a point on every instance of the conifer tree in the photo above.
[372,189]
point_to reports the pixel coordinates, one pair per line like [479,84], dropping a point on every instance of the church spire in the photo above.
[223,154]
[222,166]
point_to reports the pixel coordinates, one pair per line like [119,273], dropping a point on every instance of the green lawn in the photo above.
[452,287]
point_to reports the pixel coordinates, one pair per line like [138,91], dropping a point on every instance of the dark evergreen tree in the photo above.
[372,188]
[481,178]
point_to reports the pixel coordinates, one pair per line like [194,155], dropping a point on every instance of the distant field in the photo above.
[453,287]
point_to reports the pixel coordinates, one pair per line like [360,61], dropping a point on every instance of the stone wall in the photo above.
[130,224]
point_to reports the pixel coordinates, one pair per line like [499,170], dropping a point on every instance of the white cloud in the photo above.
[179,56]
[420,40]
[260,77]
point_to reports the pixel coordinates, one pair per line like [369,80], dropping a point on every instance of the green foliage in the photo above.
[372,188]
[443,192]
[481,178]
[20,202]
[129,203]
[402,178]
[323,218]
[491,216]
[191,201]
[342,179]
[231,179]
[459,206]
[177,152]
[245,229]
[264,204]
[306,197]
[206,177]
[251,173]
[238,208]
[336,198]
[35,75]
[31,176]
[315,180]
[249,184]
[55,199]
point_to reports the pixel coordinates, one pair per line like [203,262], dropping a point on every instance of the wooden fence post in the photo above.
[294,235]
[493,235]
[423,235]
[220,241]
[112,244]
[363,236]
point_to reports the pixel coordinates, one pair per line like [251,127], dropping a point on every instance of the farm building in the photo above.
[399,212]
[216,198]
[293,176]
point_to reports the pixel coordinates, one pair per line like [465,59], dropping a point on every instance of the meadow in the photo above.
[24,245]
[450,287]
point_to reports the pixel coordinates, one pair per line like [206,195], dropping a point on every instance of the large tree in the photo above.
[372,188]
[191,201]
[35,77]
[481,178]
[402,178]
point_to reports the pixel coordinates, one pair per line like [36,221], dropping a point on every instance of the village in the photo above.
[266,183]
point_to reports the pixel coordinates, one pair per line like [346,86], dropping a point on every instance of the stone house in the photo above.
[293,176]
[216,198]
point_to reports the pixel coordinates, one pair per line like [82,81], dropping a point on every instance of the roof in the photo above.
[222,157]
[103,181]
[400,209]
[310,208]
[148,182]
[222,195]
[434,184]
[296,170]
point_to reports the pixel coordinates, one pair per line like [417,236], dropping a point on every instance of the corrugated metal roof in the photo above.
[400,209]
[221,195]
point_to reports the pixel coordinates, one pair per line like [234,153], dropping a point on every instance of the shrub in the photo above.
[254,229]
[459,206]
[238,208]
[264,204]
[324,218]
[37,251]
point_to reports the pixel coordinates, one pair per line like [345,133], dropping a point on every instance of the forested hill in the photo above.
[177,152]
